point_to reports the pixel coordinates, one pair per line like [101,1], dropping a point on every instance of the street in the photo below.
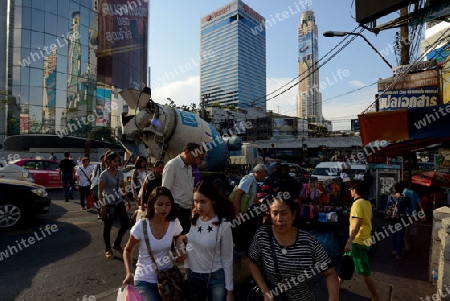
[65,261]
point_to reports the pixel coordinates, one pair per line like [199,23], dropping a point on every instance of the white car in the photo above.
[14,172]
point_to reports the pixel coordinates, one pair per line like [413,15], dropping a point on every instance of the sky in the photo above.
[175,40]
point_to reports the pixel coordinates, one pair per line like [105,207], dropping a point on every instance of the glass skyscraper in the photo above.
[233,57]
[63,62]
[309,100]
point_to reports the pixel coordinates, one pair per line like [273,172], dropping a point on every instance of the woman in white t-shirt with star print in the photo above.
[210,257]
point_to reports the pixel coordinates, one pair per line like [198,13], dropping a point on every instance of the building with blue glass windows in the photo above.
[62,63]
[233,52]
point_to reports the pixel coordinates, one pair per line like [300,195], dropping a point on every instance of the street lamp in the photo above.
[344,33]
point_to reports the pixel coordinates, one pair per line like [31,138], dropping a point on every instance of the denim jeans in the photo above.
[216,283]
[397,240]
[84,192]
[148,290]
[67,179]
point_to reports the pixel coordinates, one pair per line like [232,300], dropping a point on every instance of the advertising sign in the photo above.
[444,155]
[355,125]
[416,90]
[283,127]
[446,81]
[122,43]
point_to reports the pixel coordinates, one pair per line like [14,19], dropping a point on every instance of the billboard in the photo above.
[122,43]
[283,127]
[416,90]
[355,125]
[367,11]
[446,81]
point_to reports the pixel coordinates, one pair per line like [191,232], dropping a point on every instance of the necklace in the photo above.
[289,242]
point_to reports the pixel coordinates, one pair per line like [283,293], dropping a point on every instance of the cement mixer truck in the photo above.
[160,132]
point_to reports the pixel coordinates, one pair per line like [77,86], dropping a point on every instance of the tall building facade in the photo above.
[63,61]
[309,98]
[233,57]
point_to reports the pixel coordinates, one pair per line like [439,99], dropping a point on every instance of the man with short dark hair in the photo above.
[177,176]
[67,173]
[360,238]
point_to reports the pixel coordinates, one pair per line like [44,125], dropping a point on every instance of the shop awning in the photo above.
[407,129]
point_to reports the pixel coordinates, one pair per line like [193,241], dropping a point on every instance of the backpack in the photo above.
[392,208]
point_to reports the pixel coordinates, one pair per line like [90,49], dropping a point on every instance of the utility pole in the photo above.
[404,39]
[404,60]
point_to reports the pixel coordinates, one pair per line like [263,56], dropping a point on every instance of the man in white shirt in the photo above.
[177,176]
[83,174]
[359,176]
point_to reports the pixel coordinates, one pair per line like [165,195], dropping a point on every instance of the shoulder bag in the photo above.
[196,289]
[246,198]
[170,281]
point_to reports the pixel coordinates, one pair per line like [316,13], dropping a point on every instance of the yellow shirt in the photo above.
[362,208]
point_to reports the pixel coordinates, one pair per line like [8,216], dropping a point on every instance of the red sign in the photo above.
[218,13]
[252,13]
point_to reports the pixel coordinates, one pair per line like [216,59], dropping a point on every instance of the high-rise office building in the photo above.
[233,57]
[309,99]
[63,61]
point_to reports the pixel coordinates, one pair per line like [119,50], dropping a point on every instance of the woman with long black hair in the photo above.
[211,258]
[111,188]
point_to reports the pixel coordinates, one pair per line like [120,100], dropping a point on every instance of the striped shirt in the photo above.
[301,261]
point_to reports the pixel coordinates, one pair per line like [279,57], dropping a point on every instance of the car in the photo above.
[329,170]
[44,172]
[14,172]
[20,200]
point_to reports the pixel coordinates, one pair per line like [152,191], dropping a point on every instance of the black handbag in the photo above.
[347,267]
[170,281]
[195,289]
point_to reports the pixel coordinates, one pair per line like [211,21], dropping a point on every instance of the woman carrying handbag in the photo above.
[162,228]
[209,266]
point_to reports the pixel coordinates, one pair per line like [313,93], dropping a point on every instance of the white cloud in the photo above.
[356,83]
[340,110]
[285,103]
[182,92]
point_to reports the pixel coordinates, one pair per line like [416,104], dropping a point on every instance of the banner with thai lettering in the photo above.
[417,90]
[122,43]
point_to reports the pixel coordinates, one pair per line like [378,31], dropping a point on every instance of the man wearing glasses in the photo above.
[177,176]
[83,174]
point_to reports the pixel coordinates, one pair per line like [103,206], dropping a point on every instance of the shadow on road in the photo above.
[24,251]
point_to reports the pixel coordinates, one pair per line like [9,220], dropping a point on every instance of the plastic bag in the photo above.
[129,293]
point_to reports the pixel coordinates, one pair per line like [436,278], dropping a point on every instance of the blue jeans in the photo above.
[67,179]
[397,240]
[148,290]
[216,283]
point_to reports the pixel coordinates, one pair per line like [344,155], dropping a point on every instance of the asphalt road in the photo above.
[66,261]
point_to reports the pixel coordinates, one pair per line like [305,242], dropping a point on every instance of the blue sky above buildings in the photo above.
[175,41]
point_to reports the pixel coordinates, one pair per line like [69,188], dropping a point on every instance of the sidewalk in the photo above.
[408,277]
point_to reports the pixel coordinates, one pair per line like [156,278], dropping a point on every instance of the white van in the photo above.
[14,172]
[329,170]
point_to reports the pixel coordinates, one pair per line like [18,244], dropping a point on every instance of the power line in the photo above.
[397,78]
[308,71]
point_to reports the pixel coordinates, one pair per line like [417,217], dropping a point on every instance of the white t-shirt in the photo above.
[84,174]
[202,240]
[145,269]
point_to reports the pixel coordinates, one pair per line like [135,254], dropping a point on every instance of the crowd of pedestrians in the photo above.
[181,210]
